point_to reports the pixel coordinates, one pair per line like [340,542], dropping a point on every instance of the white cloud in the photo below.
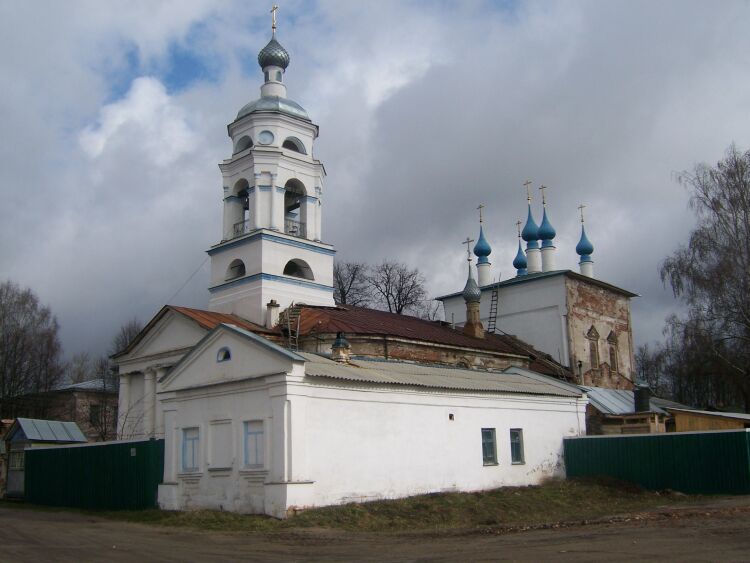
[160,125]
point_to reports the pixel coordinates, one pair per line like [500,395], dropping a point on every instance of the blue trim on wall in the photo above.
[270,277]
[279,189]
[231,197]
[310,199]
[264,188]
[273,238]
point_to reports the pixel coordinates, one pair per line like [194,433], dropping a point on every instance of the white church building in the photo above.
[255,422]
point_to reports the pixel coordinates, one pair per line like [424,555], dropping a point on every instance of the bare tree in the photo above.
[29,344]
[397,288]
[125,335]
[711,274]
[350,284]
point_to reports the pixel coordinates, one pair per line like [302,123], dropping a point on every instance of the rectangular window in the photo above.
[190,449]
[16,461]
[489,447]
[516,445]
[254,443]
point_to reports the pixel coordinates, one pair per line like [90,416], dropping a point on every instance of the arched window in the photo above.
[244,143]
[236,270]
[295,218]
[298,269]
[294,144]
[224,354]
[593,337]
[613,363]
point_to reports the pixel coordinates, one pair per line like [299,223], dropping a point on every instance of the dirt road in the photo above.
[713,531]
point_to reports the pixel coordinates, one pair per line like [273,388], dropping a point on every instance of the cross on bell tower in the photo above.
[271,246]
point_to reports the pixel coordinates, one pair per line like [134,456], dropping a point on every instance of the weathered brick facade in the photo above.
[600,334]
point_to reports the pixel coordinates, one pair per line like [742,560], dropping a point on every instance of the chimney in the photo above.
[341,350]
[642,399]
[272,314]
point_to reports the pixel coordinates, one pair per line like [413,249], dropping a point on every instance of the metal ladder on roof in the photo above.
[492,321]
[293,314]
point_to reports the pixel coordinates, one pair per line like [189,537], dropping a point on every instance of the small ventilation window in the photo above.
[243,143]
[224,355]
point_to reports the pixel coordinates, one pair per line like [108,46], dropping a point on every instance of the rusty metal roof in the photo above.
[385,372]
[359,320]
[211,319]
[205,319]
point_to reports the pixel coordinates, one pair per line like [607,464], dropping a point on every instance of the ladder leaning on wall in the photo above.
[492,321]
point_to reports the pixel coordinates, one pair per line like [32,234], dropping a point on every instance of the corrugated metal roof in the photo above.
[90,385]
[422,375]
[622,401]
[50,430]
[736,415]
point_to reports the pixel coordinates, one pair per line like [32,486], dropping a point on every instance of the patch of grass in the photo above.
[554,501]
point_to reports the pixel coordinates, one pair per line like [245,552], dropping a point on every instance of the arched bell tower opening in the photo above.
[295,210]
[271,248]
[298,269]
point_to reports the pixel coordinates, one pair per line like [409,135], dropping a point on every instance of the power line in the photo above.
[187,281]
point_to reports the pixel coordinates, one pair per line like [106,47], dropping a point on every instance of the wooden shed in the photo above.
[689,420]
[28,433]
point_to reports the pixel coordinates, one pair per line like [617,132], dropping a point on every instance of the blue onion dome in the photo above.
[482,248]
[546,230]
[530,231]
[472,293]
[584,247]
[273,54]
[519,262]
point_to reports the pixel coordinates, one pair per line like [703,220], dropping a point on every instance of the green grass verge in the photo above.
[555,501]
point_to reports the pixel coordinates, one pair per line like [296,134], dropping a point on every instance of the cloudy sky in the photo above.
[114,116]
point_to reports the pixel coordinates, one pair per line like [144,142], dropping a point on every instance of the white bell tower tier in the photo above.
[271,246]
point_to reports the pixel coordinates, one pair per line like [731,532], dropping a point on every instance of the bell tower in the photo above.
[271,244]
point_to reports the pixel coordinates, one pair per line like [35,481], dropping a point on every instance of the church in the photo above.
[275,399]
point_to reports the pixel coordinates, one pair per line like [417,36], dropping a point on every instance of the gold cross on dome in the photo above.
[481,206]
[273,16]
[468,242]
[580,208]
[527,183]
[544,199]
[518,226]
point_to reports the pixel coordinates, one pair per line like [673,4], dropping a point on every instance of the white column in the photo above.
[123,406]
[273,203]
[158,416]
[483,274]
[256,203]
[534,260]
[318,214]
[148,403]
[548,258]
[587,268]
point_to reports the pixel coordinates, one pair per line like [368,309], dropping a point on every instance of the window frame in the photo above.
[17,460]
[195,444]
[259,445]
[518,432]
[492,441]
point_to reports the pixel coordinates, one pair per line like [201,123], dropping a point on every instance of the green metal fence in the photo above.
[119,475]
[691,462]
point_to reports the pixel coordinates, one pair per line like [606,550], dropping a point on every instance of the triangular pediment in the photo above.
[172,332]
[249,356]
